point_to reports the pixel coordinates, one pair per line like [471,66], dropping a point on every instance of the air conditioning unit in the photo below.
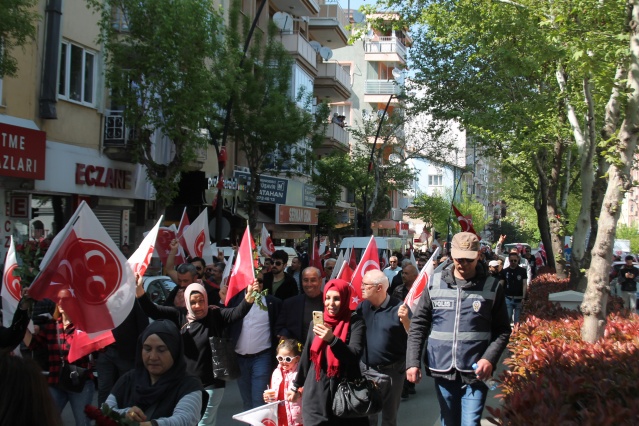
[397,214]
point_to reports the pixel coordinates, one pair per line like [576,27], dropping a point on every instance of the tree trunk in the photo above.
[544,216]
[557,230]
[596,296]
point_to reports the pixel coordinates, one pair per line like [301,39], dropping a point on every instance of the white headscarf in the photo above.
[195,287]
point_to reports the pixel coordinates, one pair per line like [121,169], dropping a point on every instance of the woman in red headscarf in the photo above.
[331,353]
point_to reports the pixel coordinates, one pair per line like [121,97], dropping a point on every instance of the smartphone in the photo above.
[318,317]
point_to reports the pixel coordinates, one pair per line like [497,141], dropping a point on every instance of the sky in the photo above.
[355,4]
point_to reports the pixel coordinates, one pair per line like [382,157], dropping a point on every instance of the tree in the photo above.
[332,175]
[434,210]
[17,27]
[276,132]
[166,72]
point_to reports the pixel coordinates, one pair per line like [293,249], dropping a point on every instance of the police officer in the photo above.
[467,312]
[516,284]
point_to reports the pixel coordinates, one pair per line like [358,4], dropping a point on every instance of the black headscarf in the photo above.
[145,394]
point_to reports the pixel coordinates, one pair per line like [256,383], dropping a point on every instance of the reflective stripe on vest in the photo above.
[461,330]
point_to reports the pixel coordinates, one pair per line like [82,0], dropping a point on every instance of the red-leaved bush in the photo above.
[554,378]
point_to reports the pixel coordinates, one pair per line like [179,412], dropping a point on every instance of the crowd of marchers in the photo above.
[295,346]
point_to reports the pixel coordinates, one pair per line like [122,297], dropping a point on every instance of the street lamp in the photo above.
[398,77]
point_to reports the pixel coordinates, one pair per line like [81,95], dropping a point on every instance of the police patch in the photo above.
[476,305]
[443,304]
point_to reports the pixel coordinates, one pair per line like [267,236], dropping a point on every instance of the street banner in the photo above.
[197,240]
[368,262]
[264,415]
[139,261]
[465,222]
[421,282]
[243,273]
[266,243]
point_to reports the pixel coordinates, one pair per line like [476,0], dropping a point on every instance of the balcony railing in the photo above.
[115,132]
[295,43]
[335,71]
[382,87]
[337,133]
[332,9]
[386,45]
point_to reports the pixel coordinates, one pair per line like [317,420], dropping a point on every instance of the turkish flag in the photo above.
[465,222]
[368,262]
[83,344]
[84,261]
[197,239]
[421,282]
[139,261]
[264,415]
[266,243]
[243,272]
[183,226]
[352,259]
[11,289]
[163,245]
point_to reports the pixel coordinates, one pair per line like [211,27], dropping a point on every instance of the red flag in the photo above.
[266,243]
[84,261]
[83,344]
[421,282]
[197,238]
[465,222]
[183,225]
[368,262]
[163,245]
[352,260]
[11,289]
[139,261]
[345,273]
[243,273]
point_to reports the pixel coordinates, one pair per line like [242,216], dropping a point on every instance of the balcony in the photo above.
[336,138]
[329,26]
[116,137]
[301,51]
[332,82]
[297,7]
[386,49]
[378,91]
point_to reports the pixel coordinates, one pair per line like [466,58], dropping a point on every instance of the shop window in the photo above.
[77,74]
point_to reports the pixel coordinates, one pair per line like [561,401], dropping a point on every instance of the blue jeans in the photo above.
[78,401]
[255,375]
[513,305]
[215,399]
[460,404]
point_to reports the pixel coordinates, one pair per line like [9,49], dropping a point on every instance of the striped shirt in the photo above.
[187,412]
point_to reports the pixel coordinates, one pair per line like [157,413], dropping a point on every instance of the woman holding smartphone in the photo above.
[332,352]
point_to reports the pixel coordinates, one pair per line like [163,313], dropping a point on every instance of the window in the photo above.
[435,180]
[77,74]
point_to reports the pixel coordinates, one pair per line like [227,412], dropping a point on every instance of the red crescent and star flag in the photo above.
[465,222]
[83,260]
[197,240]
[11,292]
[140,259]
[368,262]
[421,282]
[266,243]
[243,272]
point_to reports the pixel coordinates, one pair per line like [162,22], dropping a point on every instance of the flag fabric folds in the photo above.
[465,222]
[83,260]
[242,274]
[266,243]
[264,415]
[84,344]
[11,292]
[139,261]
[368,262]
[421,282]
[197,240]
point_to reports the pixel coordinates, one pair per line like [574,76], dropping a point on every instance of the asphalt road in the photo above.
[420,409]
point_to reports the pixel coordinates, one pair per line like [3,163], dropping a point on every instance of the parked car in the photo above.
[158,287]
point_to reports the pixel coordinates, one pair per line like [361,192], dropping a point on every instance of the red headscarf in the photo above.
[339,323]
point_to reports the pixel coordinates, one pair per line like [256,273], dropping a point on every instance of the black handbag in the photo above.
[225,365]
[357,398]
[71,378]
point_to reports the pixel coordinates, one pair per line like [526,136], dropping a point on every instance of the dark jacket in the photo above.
[126,334]
[422,321]
[12,336]
[291,322]
[284,291]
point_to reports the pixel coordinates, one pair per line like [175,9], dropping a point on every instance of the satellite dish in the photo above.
[358,17]
[283,21]
[326,53]
[315,45]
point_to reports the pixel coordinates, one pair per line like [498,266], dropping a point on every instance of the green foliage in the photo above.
[332,174]
[166,72]
[625,232]
[434,210]
[18,20]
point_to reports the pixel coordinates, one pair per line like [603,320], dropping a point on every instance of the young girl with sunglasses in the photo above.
[288,356]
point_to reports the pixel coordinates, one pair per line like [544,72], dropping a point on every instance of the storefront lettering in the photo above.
[99,176]
[9,162]
[22,152]
[12,141]
[299,215]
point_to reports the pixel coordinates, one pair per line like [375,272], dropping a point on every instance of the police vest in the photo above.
[461,327]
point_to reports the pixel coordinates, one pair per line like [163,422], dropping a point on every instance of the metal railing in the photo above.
[115,132]
[338,133]
[335,71]
[382,87]
[386,45]
[332,9]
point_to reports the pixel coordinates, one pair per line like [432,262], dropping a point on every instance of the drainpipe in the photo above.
[48,98]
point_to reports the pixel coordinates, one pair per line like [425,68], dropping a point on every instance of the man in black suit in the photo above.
[297,312]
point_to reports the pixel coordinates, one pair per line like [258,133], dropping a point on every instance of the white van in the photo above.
[360,244]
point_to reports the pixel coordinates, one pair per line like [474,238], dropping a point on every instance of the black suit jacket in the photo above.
[290,322]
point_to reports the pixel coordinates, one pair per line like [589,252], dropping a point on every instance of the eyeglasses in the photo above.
[462,260]
[285,358]
[278,263]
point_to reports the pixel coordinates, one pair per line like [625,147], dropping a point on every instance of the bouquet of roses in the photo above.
[29,256]
[105,416]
